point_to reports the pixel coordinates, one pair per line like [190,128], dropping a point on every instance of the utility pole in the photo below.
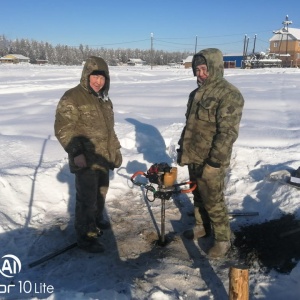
[151,50]
[286,24]
[253,51]
[246,43]
[196,45]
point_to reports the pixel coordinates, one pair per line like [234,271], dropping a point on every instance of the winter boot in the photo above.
[93,234]
[89,243]
[219,249]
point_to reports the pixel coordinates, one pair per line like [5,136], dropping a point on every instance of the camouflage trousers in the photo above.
[91,190]
[209,197]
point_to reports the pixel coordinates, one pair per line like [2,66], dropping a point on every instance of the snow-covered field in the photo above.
[37,191]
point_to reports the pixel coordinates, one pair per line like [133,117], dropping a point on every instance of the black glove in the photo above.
[118,160]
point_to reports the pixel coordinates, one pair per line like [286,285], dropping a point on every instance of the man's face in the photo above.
[201,73]
[97,82]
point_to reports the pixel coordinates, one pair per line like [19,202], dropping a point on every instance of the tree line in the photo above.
[70,55]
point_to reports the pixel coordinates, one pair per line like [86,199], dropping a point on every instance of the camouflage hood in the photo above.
[95,63]
[213,115]
[214,62]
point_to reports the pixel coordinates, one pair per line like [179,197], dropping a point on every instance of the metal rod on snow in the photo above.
[243,214]
[51,255]
[163,216]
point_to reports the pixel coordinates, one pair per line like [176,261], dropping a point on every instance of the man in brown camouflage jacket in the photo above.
[213,116]
[84,126]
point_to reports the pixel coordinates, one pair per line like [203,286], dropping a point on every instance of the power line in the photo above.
[175,41]
[172,42]
[111,44]
[216,36]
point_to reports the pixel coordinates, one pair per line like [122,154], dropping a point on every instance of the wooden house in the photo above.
[285,44]
[14,58]
[188,62]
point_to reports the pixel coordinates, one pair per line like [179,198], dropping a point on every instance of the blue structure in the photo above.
[233,58]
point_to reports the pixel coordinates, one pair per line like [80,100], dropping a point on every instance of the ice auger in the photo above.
[161,185]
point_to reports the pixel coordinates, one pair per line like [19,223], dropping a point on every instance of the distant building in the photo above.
[232,60]
[285,44]
[14,58]
[135,62]
[188,62]
[41,61]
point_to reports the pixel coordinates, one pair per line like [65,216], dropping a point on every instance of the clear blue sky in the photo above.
[128,24]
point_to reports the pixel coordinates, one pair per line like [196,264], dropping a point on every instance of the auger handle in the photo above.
[136,174]
[192,188]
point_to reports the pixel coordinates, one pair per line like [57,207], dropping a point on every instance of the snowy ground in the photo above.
[37,190]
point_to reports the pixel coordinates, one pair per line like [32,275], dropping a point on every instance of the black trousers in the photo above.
[91,189]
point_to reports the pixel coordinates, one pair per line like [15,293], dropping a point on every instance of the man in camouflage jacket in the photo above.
[213,116]
[84,126]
